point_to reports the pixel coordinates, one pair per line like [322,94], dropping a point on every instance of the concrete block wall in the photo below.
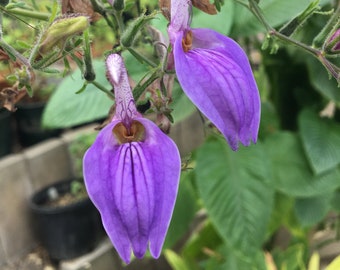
[20,175]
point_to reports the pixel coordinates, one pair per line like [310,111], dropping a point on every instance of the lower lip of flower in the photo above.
[187,41]
[134,133]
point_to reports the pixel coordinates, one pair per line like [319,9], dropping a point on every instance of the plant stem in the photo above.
[119,19]
[103,89]
[29,14]
[322,36]
[296,43]
[255,9]
[140,87]
[141,57]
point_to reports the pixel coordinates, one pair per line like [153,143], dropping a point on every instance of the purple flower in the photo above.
[131,174]
[334,41]
[215,73]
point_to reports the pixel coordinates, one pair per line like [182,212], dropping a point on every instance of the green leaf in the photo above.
[292,173]
[184,211]
[221,22]
[234,191]
[66,108]
[270,122]
[181,104]
[321,141]
[276,12]
[176,262]
[310,211]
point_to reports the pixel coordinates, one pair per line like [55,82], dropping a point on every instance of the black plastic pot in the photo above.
[68,231]
[28,118]
[6,138]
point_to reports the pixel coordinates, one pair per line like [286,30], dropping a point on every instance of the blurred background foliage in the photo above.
[233,206]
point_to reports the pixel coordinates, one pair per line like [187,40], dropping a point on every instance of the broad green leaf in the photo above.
[181,104]
[176,262]
[292,173]
[334,265]
[234,190]
[321,141]
[314,262]
[184,211]
[270,122]
[66,108]
[276,12]
[221,22]
[310,211]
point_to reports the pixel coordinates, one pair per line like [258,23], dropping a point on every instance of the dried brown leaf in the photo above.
[80,7]
[164,6]
[205,6]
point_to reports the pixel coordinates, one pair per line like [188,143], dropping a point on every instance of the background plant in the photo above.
[231,205]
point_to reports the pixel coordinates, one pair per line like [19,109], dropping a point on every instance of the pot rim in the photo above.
[41,196]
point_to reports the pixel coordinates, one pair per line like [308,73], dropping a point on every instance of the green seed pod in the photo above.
[119,5]
[60,30]
[131,32]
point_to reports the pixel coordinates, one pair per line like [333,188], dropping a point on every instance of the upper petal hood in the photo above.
[216,75]
[180,17]
[134,186]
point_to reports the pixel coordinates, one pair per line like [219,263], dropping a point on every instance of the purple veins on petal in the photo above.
[215,73]
[134,185]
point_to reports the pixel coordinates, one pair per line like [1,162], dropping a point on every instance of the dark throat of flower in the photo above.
[135,133]
[187,41]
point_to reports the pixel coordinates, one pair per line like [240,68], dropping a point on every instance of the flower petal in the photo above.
[134,186]
[216,75]
[164,159]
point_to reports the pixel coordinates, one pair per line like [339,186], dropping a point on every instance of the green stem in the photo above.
[282,37]
[119,20]
[141,57]
[103,89]
[1,32]
[140,88]
[322,36]
[255,9]
[29,14]
[14,53]
[98,8]
[89,73]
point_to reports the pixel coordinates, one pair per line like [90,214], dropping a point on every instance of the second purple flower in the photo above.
[215,73]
